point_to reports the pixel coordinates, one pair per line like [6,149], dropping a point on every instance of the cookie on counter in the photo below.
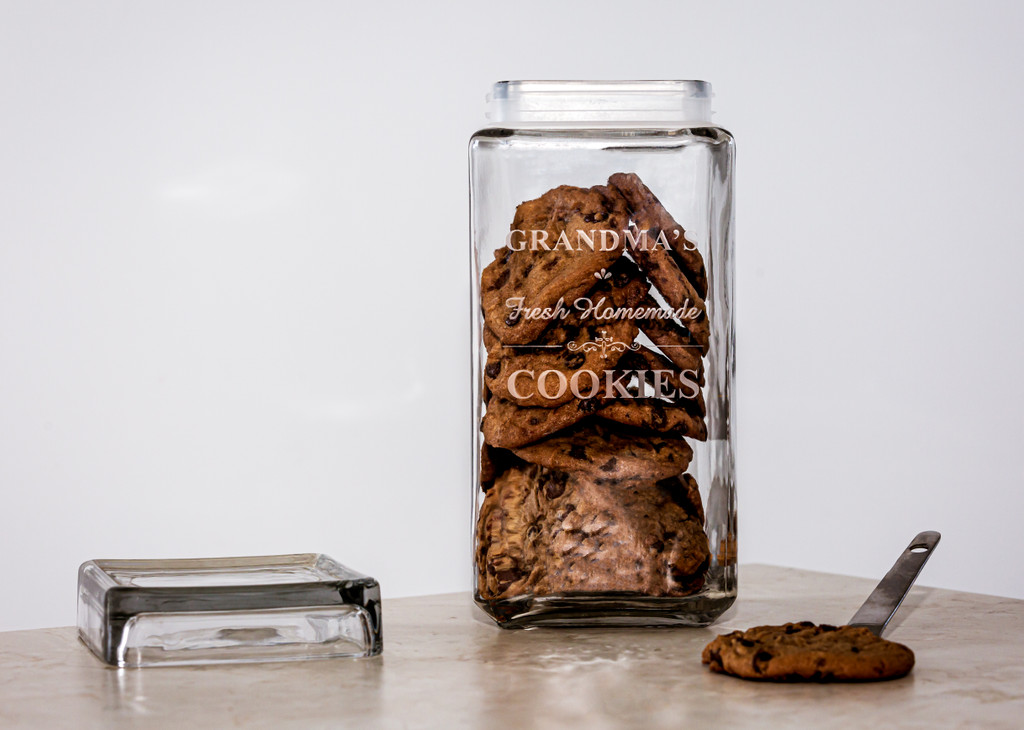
[807,651]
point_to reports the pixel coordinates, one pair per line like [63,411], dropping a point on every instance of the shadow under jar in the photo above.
[602,266]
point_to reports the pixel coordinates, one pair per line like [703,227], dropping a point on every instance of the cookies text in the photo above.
[586,384]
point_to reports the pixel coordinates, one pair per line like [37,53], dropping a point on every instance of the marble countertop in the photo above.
[444,665]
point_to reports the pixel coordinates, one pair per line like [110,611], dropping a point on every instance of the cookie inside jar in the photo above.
[596,330]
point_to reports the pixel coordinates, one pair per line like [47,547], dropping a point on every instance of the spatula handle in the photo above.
[889,593]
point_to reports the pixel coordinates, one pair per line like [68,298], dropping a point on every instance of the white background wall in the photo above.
[233,276]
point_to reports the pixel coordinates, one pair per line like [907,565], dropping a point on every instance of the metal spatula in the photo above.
[883,602]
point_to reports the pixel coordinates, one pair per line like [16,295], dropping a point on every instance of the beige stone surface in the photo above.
[444,665]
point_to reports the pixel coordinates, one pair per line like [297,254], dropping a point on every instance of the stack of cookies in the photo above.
[595,328]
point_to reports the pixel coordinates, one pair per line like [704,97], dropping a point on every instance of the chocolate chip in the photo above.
[659,417]
[611,465]
[578,452]
[492,369]
[575,360]
[855,649]
[658,546]
[501,280]
[746,642]
[507,577]
[588,406]
[553,490]
[792,628]
[828,627]
[534,420]
[680,576]
[512,319]
[760,659]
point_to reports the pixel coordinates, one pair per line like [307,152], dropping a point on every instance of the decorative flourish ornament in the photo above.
[605,344]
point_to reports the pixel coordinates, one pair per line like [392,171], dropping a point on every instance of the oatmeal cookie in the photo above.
[545,532]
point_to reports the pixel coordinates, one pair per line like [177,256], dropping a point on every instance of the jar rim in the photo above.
[562,101]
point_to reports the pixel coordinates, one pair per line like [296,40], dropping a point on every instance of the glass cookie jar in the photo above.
[603,355]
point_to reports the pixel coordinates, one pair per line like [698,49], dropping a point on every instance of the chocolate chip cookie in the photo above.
[675,342]
[544,270]
[680,280]
[805,651]
[676,384]
[508,425]
[545,532]
[566,347]
[494,462]
[686,493]
[610,452]
[676,418]
[649,213]
[678,292]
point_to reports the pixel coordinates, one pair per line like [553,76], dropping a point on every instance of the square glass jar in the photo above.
[603,355]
